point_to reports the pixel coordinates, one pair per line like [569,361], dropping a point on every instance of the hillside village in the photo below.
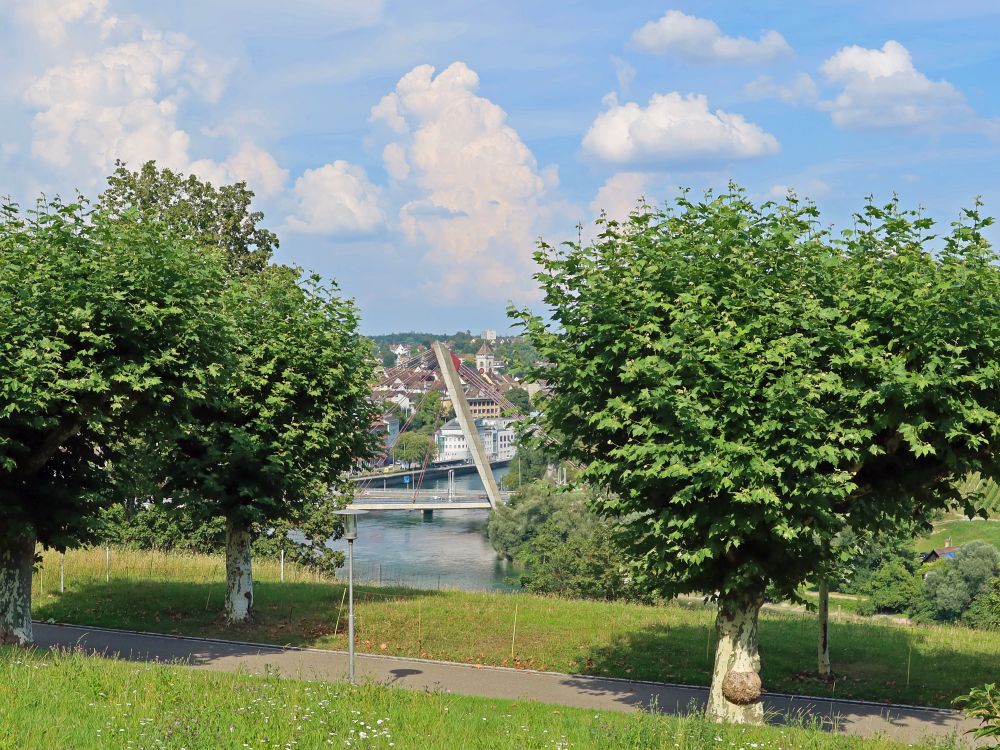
[413,374]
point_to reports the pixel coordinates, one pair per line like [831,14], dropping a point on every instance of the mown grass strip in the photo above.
[874,659]
[70,700]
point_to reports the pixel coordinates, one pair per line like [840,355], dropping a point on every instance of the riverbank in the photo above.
[873,660]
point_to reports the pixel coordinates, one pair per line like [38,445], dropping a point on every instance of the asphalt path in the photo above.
[905,724]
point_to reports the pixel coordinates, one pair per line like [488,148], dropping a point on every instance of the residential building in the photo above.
[497,436]
[481,405]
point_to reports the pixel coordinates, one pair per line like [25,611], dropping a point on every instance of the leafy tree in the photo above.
[304,536]
[196,210]
[413,447]
[747,387]
[149,525]
[893,588]
[951,586]
[512,526]
[133,525]
[428,413]
[110,324]
[530,463]
[868,553]
[291,416]
[984,613]
[520,398]
[983,704]
[565,548]
[519,355]
[852,557]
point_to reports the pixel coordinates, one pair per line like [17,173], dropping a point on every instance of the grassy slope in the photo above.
[119,705]
[873,659]
[961,532]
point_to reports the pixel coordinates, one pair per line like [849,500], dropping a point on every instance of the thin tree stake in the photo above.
[909,656]
[340,609]
[512,634]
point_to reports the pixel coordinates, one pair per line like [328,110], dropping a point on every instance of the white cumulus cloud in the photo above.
[336,198]
[123,101]
[620,194]
[50,19]
[673,127]
[114,104]
[250,164]
[881,88]
[475,196]
[700,40]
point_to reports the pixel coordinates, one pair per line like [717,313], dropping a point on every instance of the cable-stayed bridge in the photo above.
[429,500]
[390,499]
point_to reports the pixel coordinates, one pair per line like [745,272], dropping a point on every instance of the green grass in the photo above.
[839,603]
[873,659]
[81,702]
[960,532]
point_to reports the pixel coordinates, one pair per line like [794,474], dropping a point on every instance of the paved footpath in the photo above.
[901,723]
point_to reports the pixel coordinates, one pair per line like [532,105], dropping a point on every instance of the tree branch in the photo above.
[37,459]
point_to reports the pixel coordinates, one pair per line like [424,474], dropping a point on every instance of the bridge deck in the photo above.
[402,494]
[421,505]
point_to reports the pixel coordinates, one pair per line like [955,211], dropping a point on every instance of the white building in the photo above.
[497,436]
[490,336]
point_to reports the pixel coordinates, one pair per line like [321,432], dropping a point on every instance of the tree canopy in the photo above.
[748,385]
[291,413]
[520,398]
[109,324]
[196,210]
[413,447]
[105,321]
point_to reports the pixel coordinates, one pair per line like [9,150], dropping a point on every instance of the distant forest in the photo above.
[515,351]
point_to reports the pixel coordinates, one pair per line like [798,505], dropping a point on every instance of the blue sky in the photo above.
[415,152]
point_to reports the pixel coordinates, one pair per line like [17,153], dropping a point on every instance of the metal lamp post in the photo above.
[350,517]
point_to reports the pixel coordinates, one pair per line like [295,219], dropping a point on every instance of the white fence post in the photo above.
[282,564]
[62,572]
[107,563]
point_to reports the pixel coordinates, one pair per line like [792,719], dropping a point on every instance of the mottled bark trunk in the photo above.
[239,576]
[735,694]
[824,629]
[17,559]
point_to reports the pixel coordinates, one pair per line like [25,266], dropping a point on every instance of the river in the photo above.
[449,550]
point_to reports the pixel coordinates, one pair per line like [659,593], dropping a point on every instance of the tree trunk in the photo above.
[824,629]
[239,576]
[17,560]
[735,694]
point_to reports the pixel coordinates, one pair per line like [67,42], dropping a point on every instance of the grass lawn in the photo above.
[80,702]
[873,659]
[839,603]
[960,532]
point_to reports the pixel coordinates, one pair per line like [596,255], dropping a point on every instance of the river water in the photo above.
[449,550]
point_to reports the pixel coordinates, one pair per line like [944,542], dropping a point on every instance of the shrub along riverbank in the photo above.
[873,659]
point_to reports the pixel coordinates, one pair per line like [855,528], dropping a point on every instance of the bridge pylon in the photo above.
[466,422]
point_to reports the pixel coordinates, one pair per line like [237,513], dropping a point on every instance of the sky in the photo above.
[415,153]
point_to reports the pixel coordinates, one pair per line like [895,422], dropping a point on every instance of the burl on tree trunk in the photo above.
[239,576]
[17,560]
[735,694]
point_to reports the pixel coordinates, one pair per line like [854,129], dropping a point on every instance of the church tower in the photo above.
[485,359]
